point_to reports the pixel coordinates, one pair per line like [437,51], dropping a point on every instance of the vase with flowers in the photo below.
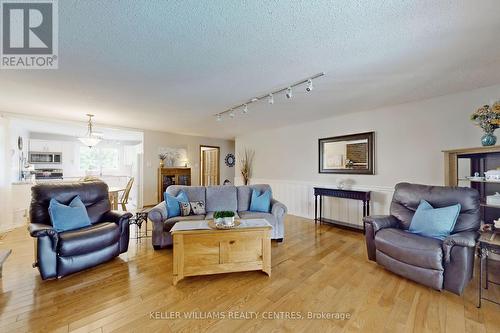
[488,118]
[162,157]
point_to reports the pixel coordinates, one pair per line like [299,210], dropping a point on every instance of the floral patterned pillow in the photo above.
[198,207]
[185,208]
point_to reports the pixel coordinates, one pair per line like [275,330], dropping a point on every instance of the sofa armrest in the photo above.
[277,208]
[41,230]
[464,238]
[379,222]
[158,213]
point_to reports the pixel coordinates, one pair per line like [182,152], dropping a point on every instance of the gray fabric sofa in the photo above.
[216,198]
[446,264]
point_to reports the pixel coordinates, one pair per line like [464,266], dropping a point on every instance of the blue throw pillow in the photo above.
[173,208]
[70,217]
[260,202]
[434,222]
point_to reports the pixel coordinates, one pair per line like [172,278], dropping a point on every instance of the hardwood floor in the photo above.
[317,269]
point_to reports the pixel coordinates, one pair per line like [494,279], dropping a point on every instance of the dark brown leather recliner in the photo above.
[446,264]
[62,253]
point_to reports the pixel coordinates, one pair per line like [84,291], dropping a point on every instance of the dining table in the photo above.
[114,192]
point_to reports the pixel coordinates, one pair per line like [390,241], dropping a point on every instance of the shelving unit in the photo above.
[480,159]
[172,176]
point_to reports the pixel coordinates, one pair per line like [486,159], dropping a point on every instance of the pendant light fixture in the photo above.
[90,139]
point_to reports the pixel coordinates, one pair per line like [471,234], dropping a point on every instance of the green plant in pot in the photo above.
[488,118]
[224,217]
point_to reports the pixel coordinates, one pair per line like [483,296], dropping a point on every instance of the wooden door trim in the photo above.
[200,161]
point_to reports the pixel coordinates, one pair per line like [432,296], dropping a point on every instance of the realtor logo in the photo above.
[29,34]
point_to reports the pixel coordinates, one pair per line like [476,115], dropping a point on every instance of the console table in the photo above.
[321,192]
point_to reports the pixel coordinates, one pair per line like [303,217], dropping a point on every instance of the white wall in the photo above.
[153,141]
[4,175]
[11,200]
[409,139]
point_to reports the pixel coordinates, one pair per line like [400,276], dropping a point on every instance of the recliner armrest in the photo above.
[379,222]
[464,238]
[277,208]
[116,216]
[41,230]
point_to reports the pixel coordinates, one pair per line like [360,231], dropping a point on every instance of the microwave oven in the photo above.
[45,158]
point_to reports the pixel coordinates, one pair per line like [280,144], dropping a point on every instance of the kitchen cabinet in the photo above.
[46,146]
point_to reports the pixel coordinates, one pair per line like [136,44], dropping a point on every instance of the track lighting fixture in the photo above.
[309,86]
[288,90]
[270,99]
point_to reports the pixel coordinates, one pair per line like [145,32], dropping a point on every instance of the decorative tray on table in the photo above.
[221,226]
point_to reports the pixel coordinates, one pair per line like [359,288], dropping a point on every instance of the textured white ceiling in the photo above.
[170,65]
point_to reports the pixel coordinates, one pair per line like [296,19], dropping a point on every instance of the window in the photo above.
[98,158]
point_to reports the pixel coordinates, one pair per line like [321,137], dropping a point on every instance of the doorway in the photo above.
[209,165]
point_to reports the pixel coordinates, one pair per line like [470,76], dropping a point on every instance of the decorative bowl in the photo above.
[214,225]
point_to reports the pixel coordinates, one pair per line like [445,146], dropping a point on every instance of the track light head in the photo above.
[270,99]
[231,114]
[289,93]
[245,109]
[218,117]
[309,86]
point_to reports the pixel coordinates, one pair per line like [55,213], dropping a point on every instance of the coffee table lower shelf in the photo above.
[203,252]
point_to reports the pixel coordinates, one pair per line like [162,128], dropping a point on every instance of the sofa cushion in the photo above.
[221,198]
[210,215]
[258,215]
[88,239]
[245,195]
[409,248]
[194,193]
[169,223]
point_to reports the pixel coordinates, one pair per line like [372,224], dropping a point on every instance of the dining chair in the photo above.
[124,199]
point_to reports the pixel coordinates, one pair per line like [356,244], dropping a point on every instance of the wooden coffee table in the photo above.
[199,250]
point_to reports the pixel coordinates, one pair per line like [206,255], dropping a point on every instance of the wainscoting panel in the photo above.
[299,198]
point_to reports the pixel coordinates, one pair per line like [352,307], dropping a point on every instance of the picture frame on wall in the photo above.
[347,154]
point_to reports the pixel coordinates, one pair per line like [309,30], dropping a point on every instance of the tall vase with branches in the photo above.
[246,160]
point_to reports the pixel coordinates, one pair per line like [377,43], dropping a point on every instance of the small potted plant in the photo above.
[224,217]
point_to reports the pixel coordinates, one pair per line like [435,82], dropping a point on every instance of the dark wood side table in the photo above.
[140,218]
[488,243]
[320,192]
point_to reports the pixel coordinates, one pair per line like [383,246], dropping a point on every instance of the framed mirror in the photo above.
[347,154]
